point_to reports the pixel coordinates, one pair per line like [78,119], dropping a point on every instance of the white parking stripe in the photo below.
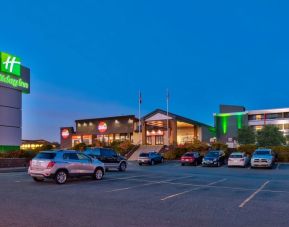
[253,195]
[184,192]
[151,183]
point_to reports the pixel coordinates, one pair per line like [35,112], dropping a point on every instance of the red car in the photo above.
[191,158]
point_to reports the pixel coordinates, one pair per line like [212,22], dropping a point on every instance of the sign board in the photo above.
[13,74]
[102,126]
[65,133]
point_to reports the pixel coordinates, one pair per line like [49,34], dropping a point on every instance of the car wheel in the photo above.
[61,177]
[152,162]
[37,179]
[162,160]
[183,164]
[195,163]
[98,174]
[140,164]
[219,164]
[122,167]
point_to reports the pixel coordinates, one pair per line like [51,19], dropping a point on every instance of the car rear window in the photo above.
[189,155]
[236,156]
[144,155]
[43,155]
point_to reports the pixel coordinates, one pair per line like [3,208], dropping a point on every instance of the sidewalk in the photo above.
[13,170]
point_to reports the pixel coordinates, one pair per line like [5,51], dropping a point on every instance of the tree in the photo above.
[246,135]
[270,136]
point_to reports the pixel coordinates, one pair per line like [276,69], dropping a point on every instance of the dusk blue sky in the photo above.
[90,58]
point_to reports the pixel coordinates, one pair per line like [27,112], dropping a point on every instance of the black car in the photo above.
[150,158]
[214,158]
[110,158]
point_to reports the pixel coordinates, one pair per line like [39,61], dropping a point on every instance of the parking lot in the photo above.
[162,195]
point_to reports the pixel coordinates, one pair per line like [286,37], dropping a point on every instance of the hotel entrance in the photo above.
[162,129]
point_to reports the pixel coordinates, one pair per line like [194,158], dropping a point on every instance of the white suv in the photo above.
[60,165]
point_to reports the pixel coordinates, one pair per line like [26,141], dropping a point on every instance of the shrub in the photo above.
[80,147]
[19,154]
[247,148]
[122,147]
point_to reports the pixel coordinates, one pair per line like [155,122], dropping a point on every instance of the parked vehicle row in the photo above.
[260,158]
[63,164]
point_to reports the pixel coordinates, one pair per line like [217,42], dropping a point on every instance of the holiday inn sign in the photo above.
[13,74]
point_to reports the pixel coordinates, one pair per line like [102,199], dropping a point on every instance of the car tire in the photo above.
[152,162]
[162,160]
[122,167]
[98,174]
[61,177]
[195,163]
[37,179]
[140,164]
[219,164]
[183,164]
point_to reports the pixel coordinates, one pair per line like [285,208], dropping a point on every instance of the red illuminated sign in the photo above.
[65,133]
[102,126]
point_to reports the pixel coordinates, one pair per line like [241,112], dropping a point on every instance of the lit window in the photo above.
[78,125]
[258,127]
[90,123]
[259,117]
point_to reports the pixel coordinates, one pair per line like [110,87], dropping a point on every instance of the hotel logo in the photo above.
[10,64]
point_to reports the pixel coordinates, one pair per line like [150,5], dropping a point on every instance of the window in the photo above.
[257,117]
[273,115]
[149,140]
[70,156]
[258,127]
[286,115]
[108,152]
[159,140]
[46,156]
[82,157]
[286,126]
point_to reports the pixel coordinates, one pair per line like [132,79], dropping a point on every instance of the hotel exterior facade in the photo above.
[232,118]
[157,128]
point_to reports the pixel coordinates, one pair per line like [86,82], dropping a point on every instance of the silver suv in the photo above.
[60,165]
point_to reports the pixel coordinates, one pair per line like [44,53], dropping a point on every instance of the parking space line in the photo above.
[184,192]
[147,184]
[253,195]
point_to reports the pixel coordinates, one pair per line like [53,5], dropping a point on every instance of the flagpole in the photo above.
[139,116]
[168,136]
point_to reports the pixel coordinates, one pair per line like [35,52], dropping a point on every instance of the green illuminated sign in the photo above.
[224,117]
[10,64]
[14,82]
[13,74]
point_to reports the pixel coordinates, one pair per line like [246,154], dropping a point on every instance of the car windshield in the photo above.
[213,154]
[144,155]
[47,155]
[262,152]
[236,156]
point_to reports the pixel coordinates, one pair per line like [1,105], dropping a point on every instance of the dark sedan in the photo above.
[214,158]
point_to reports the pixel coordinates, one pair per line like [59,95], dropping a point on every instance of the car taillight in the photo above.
[50,165]
[30,163]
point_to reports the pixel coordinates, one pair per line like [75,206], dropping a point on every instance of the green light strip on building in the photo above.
[224,120]
[239,121]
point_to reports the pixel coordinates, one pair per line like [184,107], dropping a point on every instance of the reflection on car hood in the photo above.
[210,158]
[262,156]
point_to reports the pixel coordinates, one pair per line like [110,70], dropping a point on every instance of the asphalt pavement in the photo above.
[162,195]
